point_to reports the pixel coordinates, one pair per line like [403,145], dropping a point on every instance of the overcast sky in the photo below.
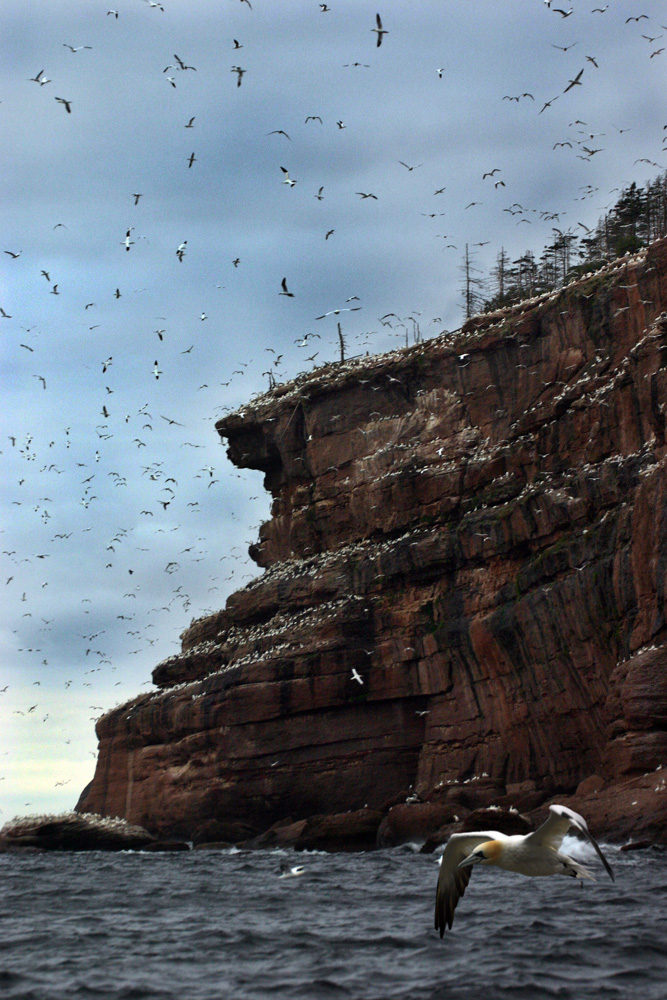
[122,518]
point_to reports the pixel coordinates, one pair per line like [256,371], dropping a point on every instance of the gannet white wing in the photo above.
[554,828]
[452,880]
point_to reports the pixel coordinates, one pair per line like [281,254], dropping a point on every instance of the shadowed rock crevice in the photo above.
[463,587]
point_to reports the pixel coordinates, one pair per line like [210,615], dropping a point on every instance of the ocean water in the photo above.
[208,925]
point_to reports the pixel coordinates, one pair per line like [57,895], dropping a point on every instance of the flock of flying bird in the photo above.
[164,491]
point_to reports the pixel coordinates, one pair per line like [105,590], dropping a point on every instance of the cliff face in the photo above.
[476,526]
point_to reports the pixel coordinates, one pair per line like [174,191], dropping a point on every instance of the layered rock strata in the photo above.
[475,527]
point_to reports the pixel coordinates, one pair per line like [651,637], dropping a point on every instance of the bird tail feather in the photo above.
[575,869]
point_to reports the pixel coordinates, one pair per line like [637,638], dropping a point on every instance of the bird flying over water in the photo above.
[574,83]
[535,854]
[39,78]
[380,31]
[182,65]
[337,312]
[547,104]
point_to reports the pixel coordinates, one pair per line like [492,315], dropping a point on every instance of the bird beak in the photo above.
[472,859]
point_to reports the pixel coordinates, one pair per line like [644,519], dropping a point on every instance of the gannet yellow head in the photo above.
[484,854]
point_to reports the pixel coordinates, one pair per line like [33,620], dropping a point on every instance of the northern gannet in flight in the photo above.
[535,853]
[380,31]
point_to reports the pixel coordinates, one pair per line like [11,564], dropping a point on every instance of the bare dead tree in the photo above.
[342,343]
[472,285]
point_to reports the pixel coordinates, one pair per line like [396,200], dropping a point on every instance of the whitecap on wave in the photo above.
[582,851]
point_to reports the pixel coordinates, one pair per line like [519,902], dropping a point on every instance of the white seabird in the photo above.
[534,854]
[287,872]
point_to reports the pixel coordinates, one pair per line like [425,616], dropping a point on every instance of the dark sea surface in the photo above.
[207,925]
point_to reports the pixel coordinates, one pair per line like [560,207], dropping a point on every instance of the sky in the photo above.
[140,287]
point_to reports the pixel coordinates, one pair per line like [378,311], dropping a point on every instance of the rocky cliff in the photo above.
[463,596]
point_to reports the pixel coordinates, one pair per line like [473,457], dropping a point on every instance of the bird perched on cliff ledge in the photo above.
[536,853]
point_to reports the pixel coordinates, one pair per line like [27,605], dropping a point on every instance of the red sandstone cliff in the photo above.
[478,526]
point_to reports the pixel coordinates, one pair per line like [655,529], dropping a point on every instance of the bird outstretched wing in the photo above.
[452,880]
[554,828]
